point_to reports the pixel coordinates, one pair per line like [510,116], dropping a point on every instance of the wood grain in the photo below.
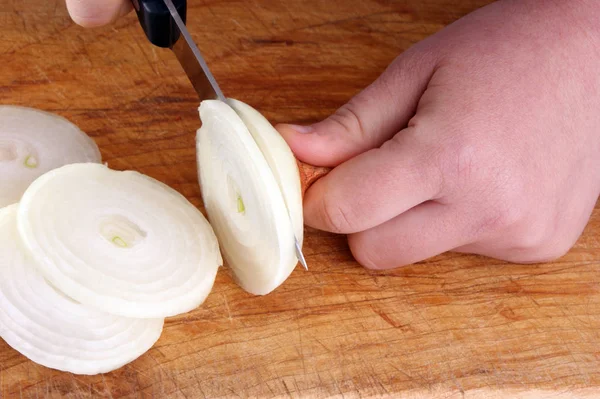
[454,326]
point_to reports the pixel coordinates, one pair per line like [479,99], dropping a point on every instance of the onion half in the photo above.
[33,142]
[247,194]
[53,330]
[280,158]
[121,242]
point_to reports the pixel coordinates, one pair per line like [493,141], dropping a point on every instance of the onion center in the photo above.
[30,162]
[236,195]
[121,232]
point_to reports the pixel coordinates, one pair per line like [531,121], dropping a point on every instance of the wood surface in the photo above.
[454,326]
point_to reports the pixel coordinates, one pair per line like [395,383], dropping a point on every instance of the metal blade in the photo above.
[192,62]
[300,255]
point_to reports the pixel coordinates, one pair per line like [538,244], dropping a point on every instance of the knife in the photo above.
[163,21]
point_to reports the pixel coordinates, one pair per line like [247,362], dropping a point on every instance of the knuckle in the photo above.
[468,159]
[534,237]
[479,176]
[366,254]
[348,118]
[473,163]
[495,221]
[504,210]
[464,161]
[538,242]
[551,250]
[334,215]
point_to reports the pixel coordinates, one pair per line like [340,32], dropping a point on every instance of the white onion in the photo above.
[243,198]
[280,158]
[121,242]
[51,329]
[33,142]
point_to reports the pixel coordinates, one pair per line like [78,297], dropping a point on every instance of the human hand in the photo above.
[498,150]
[94,13]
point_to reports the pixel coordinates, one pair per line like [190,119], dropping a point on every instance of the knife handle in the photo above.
[157,22]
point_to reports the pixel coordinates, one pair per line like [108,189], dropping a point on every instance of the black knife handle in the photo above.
[157,22]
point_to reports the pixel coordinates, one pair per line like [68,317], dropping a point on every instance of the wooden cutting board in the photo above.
[454,326]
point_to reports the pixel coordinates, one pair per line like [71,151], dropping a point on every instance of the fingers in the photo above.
[94,13]
[370,118]
[374,187]
[421,233]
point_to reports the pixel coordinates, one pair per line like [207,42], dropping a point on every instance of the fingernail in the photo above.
[302,129]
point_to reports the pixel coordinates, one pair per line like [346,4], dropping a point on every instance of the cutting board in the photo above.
[453,326]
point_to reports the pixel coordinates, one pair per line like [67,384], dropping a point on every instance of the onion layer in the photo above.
[280,158]
[243,198]
[33,142]
[121,242]
[51,329]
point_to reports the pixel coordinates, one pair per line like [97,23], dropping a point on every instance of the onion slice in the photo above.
[243,198]
[51,329]
[33,142]
[280,158]
[119,241]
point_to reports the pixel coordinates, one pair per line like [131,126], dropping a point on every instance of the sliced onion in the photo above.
[280,158]
[121,242]
[51,329]
[33,142]
[243,199]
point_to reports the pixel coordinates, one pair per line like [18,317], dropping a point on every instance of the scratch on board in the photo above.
[227,307]
[458,384]
[199,383]
[161,372]
[45,76]
[300,341]
[154,54]
[425,381]
[211,11]
[78,383]
[258,19]
[151,64]
[106,387]
[287,389]
[238,24]
[569,348]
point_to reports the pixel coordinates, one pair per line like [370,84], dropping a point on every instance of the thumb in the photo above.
[94,13]
[370,118]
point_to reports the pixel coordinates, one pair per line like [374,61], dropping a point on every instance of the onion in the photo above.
[247,194]
[33,142]
[280,158]
[51,329]
[121,242]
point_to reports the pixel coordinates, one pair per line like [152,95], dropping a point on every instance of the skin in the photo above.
[95,13]
[484,138]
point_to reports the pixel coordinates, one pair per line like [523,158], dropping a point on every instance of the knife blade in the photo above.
[161,32]
[192,62]
[163,22]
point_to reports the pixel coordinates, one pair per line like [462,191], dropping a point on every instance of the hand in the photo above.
[484,138]
[94,13]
